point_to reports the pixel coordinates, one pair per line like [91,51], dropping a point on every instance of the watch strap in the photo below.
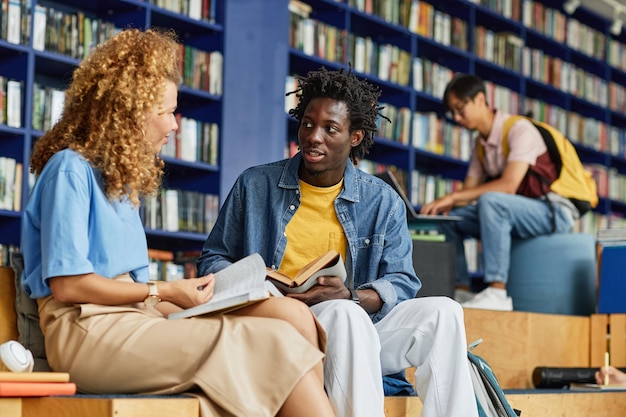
[153,294]
[354,296]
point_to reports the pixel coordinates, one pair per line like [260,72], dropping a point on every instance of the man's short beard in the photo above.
[314,173]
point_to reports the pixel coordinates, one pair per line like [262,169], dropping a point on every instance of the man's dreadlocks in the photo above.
[360,97]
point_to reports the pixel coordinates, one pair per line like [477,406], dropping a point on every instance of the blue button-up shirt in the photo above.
[263,200]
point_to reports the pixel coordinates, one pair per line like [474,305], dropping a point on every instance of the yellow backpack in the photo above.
[573,180]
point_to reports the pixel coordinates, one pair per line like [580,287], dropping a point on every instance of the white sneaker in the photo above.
[491,299]
[461,295]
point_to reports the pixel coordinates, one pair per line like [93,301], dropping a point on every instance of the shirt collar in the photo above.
[289,178]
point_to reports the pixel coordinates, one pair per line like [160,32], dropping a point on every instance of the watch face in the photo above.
[153,294]
[152,300]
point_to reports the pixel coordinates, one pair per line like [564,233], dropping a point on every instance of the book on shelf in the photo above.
[36,389]
[238,285]
[328,264]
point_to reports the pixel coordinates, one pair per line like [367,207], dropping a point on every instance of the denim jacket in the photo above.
[264,199]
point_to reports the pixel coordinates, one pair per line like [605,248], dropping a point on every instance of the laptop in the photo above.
[412,215]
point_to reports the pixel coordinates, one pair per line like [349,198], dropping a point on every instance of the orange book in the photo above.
[36,389]
[34,377]
[328,264]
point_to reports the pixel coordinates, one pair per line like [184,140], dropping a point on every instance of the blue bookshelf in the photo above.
[351,17]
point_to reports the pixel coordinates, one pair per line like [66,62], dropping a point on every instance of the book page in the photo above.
[245,275]
[235,286]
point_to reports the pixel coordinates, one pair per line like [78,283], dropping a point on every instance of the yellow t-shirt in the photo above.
[314,229]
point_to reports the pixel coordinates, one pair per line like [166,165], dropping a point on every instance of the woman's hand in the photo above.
[615,376]
[189,292]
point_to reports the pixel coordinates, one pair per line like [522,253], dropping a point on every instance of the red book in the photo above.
[36,389]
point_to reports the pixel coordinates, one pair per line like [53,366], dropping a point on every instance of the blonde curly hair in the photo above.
[106,104]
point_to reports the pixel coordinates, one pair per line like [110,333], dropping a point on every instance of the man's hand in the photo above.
[441,205]
[327,288]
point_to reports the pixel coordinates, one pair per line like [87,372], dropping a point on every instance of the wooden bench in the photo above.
[514,343]
[112,406]
[80,405]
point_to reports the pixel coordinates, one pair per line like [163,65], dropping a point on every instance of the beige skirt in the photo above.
[237,366]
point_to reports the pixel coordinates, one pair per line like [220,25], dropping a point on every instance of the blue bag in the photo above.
[490,398]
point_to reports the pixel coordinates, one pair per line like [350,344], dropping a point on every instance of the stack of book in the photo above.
[35,384]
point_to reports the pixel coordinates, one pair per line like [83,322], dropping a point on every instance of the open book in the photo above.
[236,286]
[328,264]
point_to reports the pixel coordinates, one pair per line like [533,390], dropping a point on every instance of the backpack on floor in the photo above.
[490,398]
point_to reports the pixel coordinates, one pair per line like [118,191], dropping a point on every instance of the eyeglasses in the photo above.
[458,110]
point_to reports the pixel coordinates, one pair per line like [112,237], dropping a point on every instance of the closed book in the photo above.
[36,389]
[34,377]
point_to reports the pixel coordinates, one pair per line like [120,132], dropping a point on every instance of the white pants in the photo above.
[427,333]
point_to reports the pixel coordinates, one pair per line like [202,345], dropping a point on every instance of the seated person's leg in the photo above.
[352,373]
[429,334]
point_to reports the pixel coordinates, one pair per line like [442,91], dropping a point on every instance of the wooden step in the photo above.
[515,342]
[535,403]
[96,406]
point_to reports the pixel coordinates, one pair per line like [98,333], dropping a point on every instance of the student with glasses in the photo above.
[498,201]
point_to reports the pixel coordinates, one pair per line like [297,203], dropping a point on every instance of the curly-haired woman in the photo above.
[86,258]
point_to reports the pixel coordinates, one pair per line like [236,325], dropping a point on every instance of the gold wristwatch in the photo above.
[153,294]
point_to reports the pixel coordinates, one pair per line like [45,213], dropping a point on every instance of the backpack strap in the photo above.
[508,123]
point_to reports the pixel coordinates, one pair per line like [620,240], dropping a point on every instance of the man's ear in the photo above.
[481,99]
[357,137]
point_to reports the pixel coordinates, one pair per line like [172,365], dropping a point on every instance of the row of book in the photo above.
[5,253]
[10,102]
[427,187]
[195,9]
[15,21]
[610,183]
[544,19]
[74,34]
[440,136]
[35,384]
[611,236]
[48,103]
[390,63]
[71,34]
[11,174]
[172,265]
[592,221]
[386,61]
[180,211]
[422,18]
[430,77]
[429,132]
[502,48]
[617,97]
[202,70]
[397,128]
[616,54]
[314,37]
[511,9]
[193,141]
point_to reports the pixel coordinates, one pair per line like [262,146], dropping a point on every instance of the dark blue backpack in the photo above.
[489,395]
